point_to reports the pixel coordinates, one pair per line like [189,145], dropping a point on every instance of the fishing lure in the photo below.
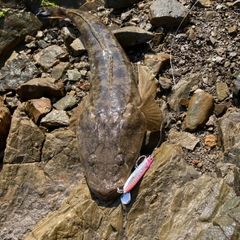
[134,178]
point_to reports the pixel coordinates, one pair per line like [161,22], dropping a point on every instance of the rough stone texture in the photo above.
[186,140]
[40,87]
[182,90]
[168,14]
[28,192]
[155,62]
[190,206]
[58,70]
[17,24]
[229,136]
[5,121]
[25,140]
[199,109]
[56,118]
[16,72]
[37,108]
[50,56]
[77,47]
[65,103]
[130,36]
[119,4]
[222,91]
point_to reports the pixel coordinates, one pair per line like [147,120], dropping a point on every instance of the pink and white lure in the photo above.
[134,178]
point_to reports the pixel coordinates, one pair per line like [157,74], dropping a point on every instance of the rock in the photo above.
[204,3]
[229,136]
[184,139]
[17,71]
[37,108]
[5,121]
[210,141]
[65,103]
[77,47]
[219,109]
[50,56]
[232,30]
[59,69]
[199,109]
[236,90]
[165,83]
[56,118]
[182,90]
[25,139]
[68,35]
[30,191]
[222,90]
[130,36]
[17,24]
[40,87]
[73,75]
[119,4]
[168,14]
[230,173]
[155,62]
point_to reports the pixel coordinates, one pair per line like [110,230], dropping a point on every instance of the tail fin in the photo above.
[51,12]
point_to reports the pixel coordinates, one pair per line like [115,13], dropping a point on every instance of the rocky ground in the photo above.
[195,58]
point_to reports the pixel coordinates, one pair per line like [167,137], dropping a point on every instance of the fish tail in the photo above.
[51,12]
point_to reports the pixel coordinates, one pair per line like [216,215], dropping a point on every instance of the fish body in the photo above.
[109,122]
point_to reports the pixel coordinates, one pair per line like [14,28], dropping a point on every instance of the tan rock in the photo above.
[199,109]
[210,141]
[38,108]
[24,143]
[222,91]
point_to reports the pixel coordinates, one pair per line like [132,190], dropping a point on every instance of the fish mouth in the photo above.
[105,192]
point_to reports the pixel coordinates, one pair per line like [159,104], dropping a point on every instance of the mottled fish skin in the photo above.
[109,125]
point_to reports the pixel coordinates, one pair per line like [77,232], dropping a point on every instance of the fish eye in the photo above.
[120,160]
[92,160]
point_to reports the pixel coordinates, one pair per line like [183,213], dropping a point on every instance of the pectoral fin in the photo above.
[149,107]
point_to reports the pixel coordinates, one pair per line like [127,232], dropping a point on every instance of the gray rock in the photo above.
[77,47]
[168,14]
[73,75]
[229,136]
[16,72]
[17,24]
[40,87]
[130,36]
[182,90]
[119,4]
[56,118]
[25,139]
[58,70]
[65,103]
[184,139]
[50,56]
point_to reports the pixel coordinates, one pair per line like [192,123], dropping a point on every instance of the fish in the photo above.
[111,121]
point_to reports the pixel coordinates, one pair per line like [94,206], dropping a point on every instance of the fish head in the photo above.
[108,147]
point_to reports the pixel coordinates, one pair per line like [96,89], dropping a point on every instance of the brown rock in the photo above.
[25,139]
[155,62]
[210,141]
[38,108]
[199,109]
[39,87]
[59,69]
[222,91]
[5,121]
